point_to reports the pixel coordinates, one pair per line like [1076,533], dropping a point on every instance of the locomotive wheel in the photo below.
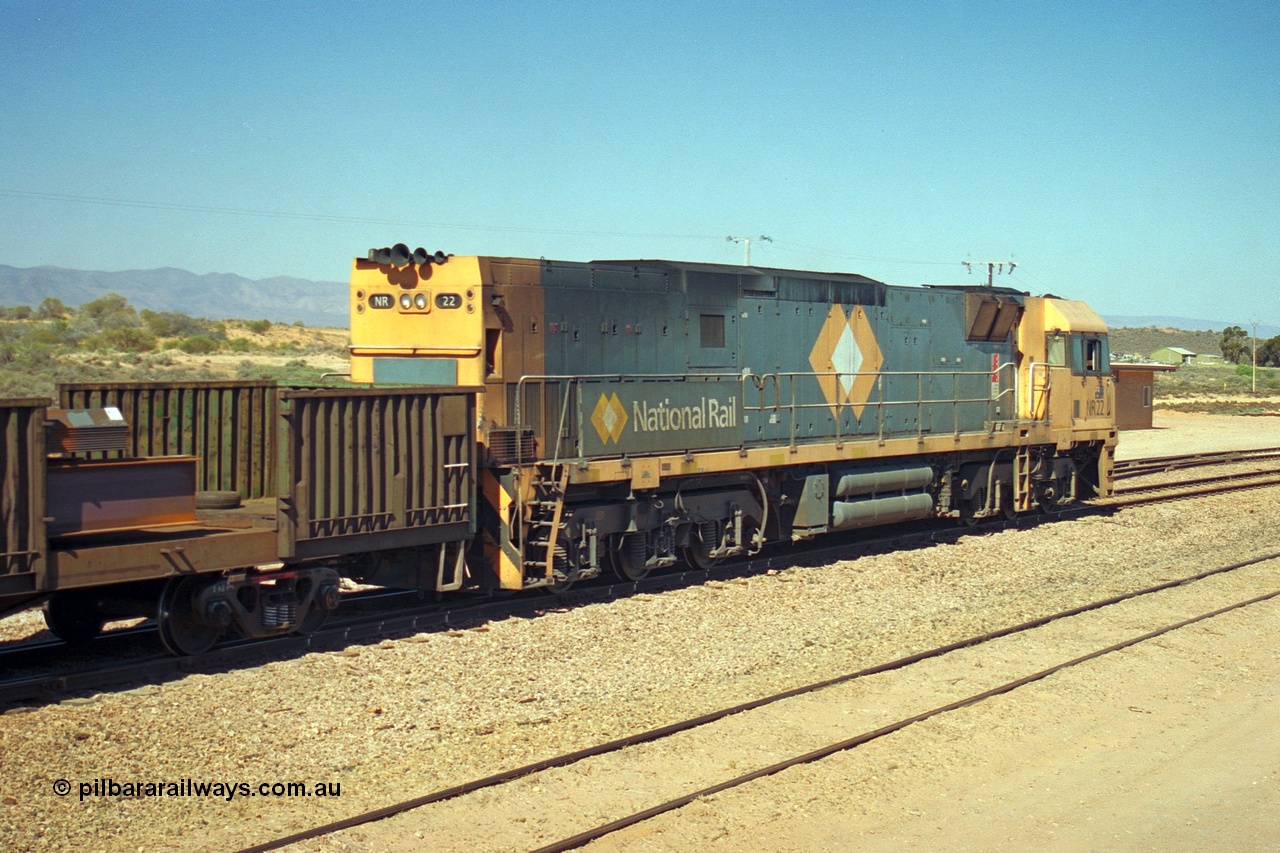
[630,552]
[564,576]
[73,617]
[1007,507]
[1046,495]
[183,630]
[969,509]
[698,554]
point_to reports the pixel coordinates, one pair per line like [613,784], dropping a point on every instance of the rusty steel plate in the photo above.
[96,496]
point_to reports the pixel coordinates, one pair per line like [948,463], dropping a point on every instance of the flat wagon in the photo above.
[211,505]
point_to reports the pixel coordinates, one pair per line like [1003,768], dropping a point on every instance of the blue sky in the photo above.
[1127,154]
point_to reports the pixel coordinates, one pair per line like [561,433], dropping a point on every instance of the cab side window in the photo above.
[1056,350]
[1091,355]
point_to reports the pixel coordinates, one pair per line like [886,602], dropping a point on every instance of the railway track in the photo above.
[125,656]
[1127,469]
[828,749]
[1199,486]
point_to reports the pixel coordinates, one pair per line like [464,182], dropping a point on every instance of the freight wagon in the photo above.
[209,505]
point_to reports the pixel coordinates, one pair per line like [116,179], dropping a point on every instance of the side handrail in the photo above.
[879,403]
[769,395]
[1034,402]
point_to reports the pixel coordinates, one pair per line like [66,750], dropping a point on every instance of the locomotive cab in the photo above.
[1067,377]
[1068,366]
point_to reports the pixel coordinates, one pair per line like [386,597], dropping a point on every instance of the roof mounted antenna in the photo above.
[994,268]
[748,240]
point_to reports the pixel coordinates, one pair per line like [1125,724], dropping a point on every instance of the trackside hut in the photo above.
[1135,393]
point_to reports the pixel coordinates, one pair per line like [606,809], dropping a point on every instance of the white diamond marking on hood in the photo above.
[847,359]
[609,417]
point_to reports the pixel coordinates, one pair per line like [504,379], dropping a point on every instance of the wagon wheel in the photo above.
[630,553]
[73,617]
[183,629]
[320,606]
[316,616]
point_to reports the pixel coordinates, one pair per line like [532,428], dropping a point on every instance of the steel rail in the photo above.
[1125,469]
[440,615]
[27,647]
[435,616]
[576,841]
[1198,481]
[696,722]
[1271,479]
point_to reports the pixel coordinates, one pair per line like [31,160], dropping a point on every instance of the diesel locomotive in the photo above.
[633,413]
[522,423]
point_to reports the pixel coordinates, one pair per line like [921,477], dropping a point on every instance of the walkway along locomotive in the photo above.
[521,423]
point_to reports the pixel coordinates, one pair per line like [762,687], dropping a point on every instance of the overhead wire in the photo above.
[330,217]
[508,229]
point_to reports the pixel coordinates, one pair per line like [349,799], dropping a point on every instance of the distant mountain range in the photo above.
[216,296]
[221,296]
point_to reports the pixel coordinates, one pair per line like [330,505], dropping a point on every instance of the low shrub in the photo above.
[198,345]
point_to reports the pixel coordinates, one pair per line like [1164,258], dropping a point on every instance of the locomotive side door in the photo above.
[1052,390]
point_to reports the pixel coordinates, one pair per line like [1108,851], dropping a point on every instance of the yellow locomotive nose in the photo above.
[417,320]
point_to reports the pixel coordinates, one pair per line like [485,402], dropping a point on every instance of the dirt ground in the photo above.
[1171,745]
[1177,432]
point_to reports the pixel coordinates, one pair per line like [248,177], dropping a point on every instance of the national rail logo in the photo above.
[609,418]
[706,413]
[846,359]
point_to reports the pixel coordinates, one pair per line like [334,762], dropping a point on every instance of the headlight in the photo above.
[406,301]
[420,301]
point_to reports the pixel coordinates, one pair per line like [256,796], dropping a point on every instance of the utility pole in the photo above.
[994,268]
[748,240]
[1255,356]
